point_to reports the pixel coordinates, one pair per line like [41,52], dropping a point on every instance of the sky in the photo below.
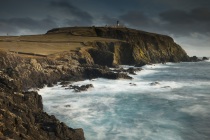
[187,21]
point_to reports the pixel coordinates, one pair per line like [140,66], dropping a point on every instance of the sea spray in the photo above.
[163,101]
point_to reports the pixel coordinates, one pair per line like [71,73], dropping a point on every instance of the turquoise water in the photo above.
[176,108]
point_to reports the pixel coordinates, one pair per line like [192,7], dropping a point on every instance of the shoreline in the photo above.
[71,105]
[19,73]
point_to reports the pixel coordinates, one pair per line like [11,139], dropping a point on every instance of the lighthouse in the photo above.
[118,24]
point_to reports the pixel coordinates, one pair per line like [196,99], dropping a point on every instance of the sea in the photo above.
[162,102]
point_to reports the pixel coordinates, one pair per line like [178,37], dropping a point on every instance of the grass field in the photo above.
[46,44]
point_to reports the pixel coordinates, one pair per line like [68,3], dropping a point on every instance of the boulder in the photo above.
[205,58]
[154,83]
[195,59]
[132,84]
[80,88]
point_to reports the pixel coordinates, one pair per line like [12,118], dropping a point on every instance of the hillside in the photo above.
[67,54]
[116,45]
[131,47]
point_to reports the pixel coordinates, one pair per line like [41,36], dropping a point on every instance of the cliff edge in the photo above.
[131,46]
[21,113]
[62,54]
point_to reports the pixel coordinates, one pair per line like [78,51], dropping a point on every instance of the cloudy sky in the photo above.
[187,21]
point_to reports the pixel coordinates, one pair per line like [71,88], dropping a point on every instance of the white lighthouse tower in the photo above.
[118,23]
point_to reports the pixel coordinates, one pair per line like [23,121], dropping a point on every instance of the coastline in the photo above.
[84,107]
[18,74]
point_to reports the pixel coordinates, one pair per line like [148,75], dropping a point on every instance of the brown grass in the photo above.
[46,44]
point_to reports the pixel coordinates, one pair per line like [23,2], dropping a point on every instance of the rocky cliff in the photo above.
[21,112]
[133,46]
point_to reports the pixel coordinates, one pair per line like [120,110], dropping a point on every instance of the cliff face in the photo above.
[21,113]
[133,46]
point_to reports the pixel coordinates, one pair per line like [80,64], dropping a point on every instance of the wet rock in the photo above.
[80,88]
[141,64]
[21,113]
[131,70]
[205,58]
[111,75]
[154,83]
[132,84]
[195,59]
[67,105]
[91,73]
[65,83]
[49,85]
[166,87]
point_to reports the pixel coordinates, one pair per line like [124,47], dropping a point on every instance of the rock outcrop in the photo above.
[22,116]
[205,58]
[194,59]
[132,48]
[21,113]
[80,88]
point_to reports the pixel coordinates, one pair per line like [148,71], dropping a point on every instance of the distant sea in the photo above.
[163,102]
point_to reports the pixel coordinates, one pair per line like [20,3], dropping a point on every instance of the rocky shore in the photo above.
[21,112]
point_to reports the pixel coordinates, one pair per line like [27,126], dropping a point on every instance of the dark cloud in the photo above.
[185,20]
[74,15]
[26,25]
[142,21]
[186,17]
[176,17]
[182,22]
[173,22]
[201,14]
[109,20]
[136,18]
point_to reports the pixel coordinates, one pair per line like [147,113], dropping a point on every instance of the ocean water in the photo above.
[176,107]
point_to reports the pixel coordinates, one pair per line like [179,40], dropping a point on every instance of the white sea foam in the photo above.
[197,110]
[131,109]
[155,66]
[207,60]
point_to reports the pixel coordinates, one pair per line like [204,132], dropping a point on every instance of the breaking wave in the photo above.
[162,102]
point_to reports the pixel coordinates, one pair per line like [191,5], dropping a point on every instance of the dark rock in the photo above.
[133,70]
[141,64]
[49,85]
[111,75]
[21,113]
[132,84]
[67,105]
[195,59]
[154,83]
[166,87]
[65,83]
[205,58]
[80,88]
[91,73]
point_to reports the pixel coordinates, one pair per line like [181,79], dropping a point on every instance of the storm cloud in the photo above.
[29,17]
[187,21]
[25,25]
[182,22]
[73,15]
